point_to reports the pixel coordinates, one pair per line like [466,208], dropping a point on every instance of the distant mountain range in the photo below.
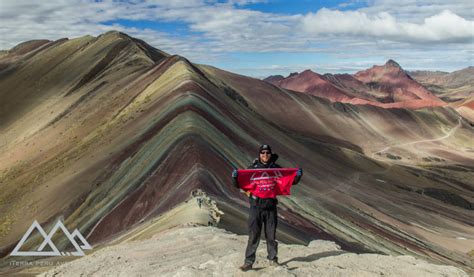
[388,86]
[451,87]
[110,133]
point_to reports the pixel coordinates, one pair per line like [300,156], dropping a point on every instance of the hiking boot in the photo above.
[246,267]
[274,262]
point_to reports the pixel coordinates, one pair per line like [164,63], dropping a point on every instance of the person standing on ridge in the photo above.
[263,211]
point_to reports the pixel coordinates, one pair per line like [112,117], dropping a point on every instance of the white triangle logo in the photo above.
[48,241]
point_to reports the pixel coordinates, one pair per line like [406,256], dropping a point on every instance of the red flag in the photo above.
[268,182]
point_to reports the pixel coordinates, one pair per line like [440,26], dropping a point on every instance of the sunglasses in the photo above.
[265,152]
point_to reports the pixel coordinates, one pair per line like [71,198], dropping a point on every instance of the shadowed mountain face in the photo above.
[386,86]
[109,132]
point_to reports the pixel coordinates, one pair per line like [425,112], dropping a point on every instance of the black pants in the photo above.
[257,217]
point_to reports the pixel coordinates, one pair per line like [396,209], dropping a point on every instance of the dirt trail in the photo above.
[450,133]
[209,251]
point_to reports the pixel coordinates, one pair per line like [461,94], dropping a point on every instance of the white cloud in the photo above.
[246,2]
[54,19]
[385,29]
[415,11]
[222,27]
[443,27]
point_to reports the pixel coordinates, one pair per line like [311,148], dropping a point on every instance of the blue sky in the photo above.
[304,6]
[266,37]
